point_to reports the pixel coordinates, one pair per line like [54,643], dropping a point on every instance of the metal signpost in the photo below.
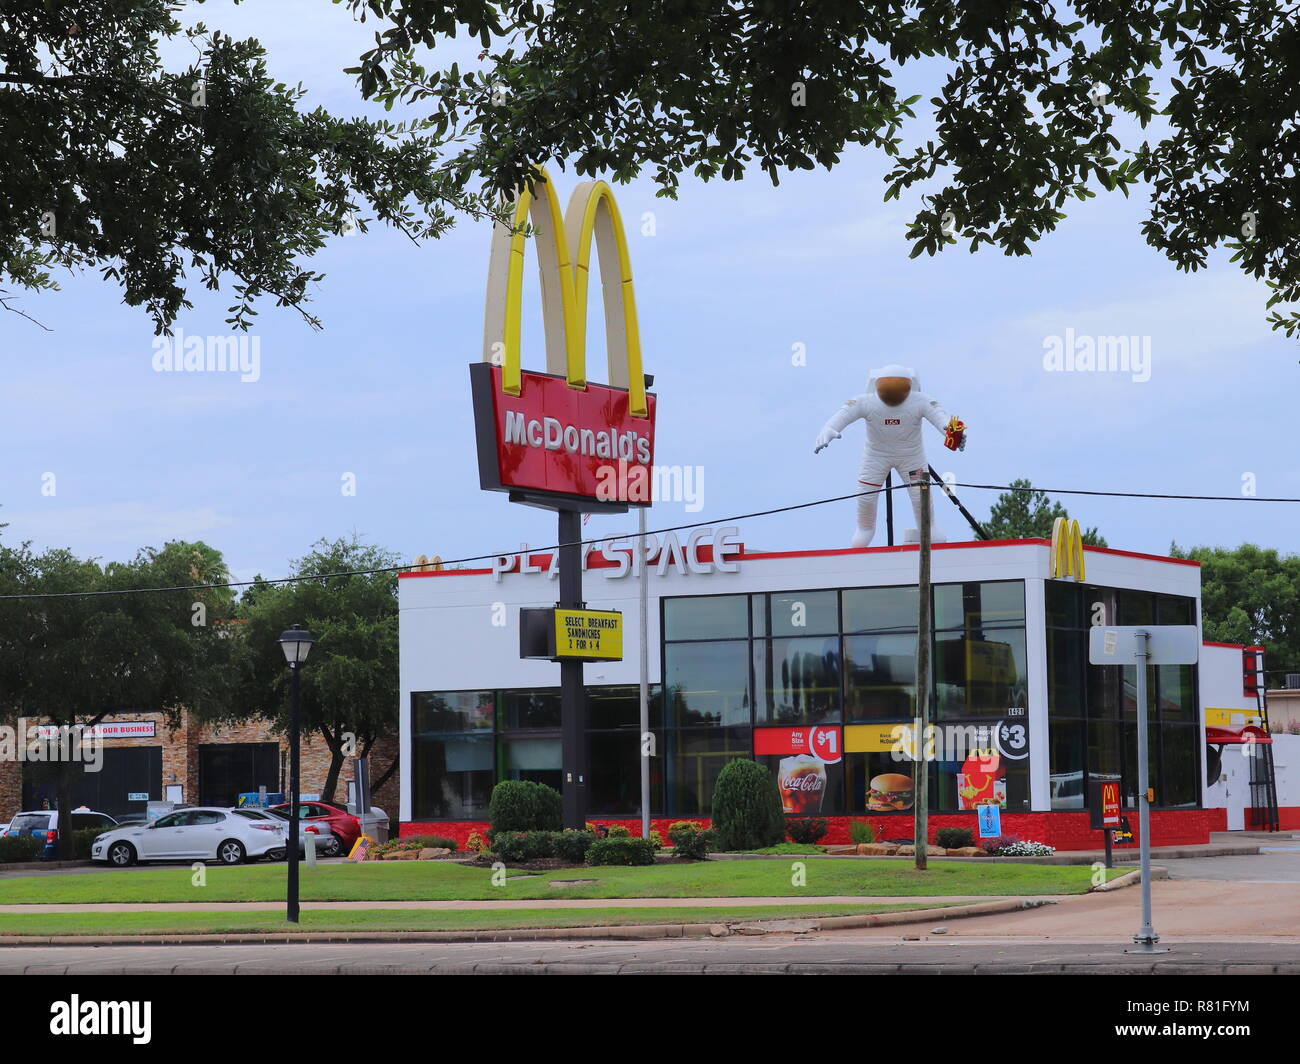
[1140,646]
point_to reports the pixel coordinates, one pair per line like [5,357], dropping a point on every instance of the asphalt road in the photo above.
[771,954]
[1275,863]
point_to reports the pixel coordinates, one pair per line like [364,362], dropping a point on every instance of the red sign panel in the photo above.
[1110,812]
[825,743]
[555,441]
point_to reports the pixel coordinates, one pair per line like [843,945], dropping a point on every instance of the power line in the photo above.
[633,535]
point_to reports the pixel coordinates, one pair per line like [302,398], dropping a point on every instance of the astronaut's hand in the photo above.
[824,440]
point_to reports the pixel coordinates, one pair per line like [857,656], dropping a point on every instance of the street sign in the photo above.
[1167,644]
[990,818]
[571,634]
[137,796]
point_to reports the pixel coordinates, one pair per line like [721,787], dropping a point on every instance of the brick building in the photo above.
[192,763]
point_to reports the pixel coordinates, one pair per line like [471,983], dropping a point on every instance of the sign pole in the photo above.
[921,834]
[1146,938]
[573,696]
[643,594]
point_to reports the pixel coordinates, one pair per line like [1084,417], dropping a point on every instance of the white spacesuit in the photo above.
[893,407]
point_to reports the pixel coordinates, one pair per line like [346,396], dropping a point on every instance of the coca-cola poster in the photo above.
[801,773]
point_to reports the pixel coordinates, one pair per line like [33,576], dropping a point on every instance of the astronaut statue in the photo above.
[893,408]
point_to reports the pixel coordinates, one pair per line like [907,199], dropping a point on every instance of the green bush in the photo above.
[520,846]
[20,848]
[522,805]
[808,830]
[747,811]
[621,851]
[81,840]
[432,842]
[861,832]
[572,846]
[953,838]
[690,840]
[617,831]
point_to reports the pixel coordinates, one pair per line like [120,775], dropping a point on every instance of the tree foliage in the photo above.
[162,178]
[1030,106]
[1027,513]
[1251,595]
[349,683]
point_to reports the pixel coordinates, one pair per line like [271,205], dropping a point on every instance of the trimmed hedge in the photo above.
[953,838]
[807,830]
[621,851]
[20,848]
[747,813]
[520,846]
[522,805]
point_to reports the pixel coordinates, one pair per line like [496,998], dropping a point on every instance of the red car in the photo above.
[335,823]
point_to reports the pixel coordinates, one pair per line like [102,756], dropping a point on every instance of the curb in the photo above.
[39,866]
[1131,879]
[633,932]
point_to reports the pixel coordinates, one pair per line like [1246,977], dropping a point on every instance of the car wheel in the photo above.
[121,854]
[231,852]
[333,846]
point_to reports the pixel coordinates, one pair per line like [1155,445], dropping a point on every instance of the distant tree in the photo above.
[1250,595]
[1027,513]
[349,684]
[75,660]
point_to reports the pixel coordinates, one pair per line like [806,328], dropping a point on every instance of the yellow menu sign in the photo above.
[592,635]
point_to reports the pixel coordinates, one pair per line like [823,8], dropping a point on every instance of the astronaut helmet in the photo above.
[893,383]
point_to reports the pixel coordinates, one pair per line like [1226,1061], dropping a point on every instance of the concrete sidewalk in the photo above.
[538,903]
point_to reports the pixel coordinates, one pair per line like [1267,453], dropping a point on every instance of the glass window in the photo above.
[966,778]
[880,609]
[975,605]
[1064,604]
[1067,658]
[804,613]
[1066,778]
[205,817]
[1136,607]
[979,677]
[1178,755]
[698,755]
[1177,700]
[614,767]
[1130,786]
[530,709]
[707,617]
[808,785]
[879,677]
[620,707]
[877,783]
[453,777]
[536,760]
[798,680]
[1104,758]
[1100,606]
[1104,682]
[1174,609]
[175,820]
[707,683]
[758,614]
[454,711]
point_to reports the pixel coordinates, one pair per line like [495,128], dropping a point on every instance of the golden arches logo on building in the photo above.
[1067,550]
[563,243]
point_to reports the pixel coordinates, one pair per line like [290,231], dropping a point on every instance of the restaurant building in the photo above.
[806,662]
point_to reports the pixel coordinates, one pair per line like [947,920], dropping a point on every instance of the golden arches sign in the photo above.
[563,260]
[1067,550]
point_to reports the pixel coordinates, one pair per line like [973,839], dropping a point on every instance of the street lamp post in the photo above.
[296,644]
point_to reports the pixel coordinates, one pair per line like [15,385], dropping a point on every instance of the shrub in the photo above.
[953,838]
[477,843]
[747,812]
[657,839]
[520,846]
[621,851]
[1026,849]
[690,840]
[998,842]
[861,832]
[572,846]
[522,805]
[617,831]
[432,842]
[808,830]
[20,848]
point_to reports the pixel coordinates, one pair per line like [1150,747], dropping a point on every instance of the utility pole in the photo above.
[573,695]
[921,791]
[643,595]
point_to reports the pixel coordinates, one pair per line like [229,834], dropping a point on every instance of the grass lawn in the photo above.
[152,923]
[442,881]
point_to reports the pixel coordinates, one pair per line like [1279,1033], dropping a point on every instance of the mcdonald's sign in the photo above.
[1067,550]
[551,438]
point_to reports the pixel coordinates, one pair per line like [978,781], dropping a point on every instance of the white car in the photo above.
[228,836]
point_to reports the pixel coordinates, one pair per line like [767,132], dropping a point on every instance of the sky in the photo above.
[762,309]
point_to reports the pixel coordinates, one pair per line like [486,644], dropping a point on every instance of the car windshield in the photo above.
[30,822]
